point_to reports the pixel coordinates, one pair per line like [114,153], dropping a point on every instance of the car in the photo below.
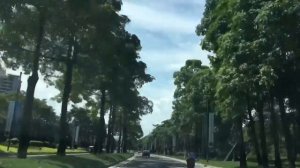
[146,153]
[91,149]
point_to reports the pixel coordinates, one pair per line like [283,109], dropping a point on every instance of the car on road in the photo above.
[91,149]
[146,153]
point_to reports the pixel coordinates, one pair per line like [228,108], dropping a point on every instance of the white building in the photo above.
[9,83]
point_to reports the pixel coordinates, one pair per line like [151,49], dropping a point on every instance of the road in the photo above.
[154,161]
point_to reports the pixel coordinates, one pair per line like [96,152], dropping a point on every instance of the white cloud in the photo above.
[167,32]
[173,59]
[160,91]
[158,20]
[162,110]
[180,2]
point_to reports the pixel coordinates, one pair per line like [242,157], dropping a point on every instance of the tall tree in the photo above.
[82,31]
[22,33]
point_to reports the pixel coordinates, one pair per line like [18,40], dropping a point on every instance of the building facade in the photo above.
[9,83]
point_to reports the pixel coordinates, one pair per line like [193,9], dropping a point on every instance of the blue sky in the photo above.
[166,29]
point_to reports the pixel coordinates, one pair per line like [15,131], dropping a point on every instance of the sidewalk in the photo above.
[183,161]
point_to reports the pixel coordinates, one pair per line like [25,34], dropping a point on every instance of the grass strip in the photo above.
[236,164]
[80,161]
[38,150]
[223,164]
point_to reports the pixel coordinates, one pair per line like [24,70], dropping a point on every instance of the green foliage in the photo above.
[83,49]
[255,60]
[193,94]
[255,55]
[18,33]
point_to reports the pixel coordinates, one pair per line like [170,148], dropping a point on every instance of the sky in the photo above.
[166,29]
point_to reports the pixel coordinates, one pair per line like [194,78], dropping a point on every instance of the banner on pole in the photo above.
[77,134]
[10,116]
[14,117]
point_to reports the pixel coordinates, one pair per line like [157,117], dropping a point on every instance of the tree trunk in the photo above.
[63,132]
[109,131]
[203,133]
[102,130]
[260,106]
[124,141]
[275,135]
[297,131]
[125,136]
[287,133]
[98,134]
[295,138]
[197,139]
[243,162]
[24,136]
[113,120]
[120,141]
[253,134]
[254,138]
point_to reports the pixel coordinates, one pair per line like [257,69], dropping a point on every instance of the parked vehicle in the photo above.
[146,153]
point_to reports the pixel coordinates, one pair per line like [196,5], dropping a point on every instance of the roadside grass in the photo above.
[231,164]
[226,164]
[80,161]
[38,150]
[236,164]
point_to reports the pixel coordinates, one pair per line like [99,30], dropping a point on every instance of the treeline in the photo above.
[252,84]
[83,49]
[44,120]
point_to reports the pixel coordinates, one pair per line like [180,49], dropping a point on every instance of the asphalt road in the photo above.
[153,162]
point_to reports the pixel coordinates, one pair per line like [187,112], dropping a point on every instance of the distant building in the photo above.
[2,72]
[9,83]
